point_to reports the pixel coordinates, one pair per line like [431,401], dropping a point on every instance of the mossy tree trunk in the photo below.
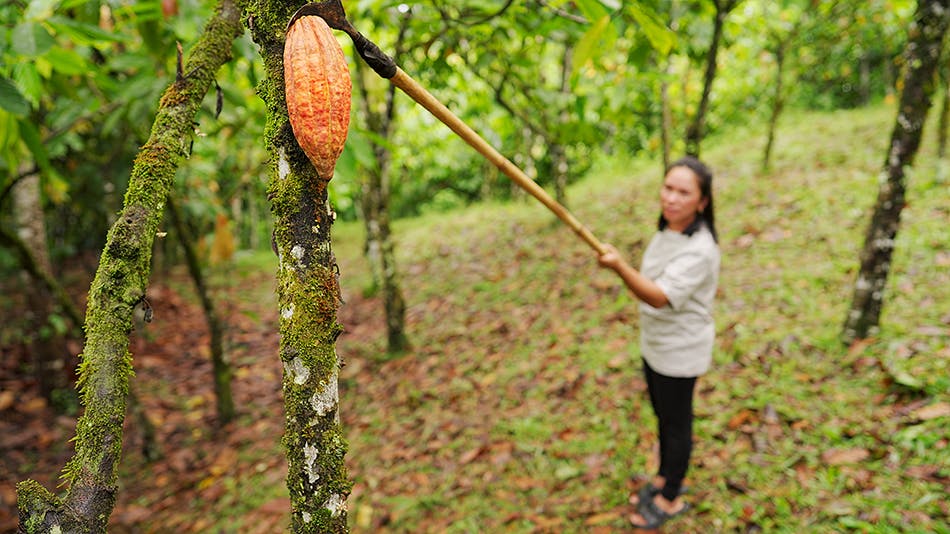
[117,289]
[308,296]
[922,59]
[697,128]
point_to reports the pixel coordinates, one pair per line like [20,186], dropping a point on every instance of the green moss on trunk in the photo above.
[119,286]
[308,297]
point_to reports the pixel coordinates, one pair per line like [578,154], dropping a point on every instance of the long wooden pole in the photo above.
[419,94]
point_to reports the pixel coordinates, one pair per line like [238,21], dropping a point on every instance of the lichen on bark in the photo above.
[308,298]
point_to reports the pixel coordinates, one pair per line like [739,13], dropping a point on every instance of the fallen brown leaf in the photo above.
[933,411]
[845,456]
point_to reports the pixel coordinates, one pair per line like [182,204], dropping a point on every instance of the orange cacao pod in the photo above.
[317,84]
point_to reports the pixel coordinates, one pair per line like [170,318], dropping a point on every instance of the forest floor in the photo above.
[520,406]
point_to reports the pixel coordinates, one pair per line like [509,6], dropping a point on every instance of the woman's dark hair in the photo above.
[704,177]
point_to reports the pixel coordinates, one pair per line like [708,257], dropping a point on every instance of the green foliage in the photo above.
[850,52]
[77,78]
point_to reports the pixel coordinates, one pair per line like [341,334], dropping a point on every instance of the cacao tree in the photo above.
[783,21]
[377,111]
[696,129]
[308,290]
[118,289]
[221,368]
[922,58]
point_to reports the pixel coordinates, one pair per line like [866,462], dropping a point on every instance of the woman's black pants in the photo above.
[672,400]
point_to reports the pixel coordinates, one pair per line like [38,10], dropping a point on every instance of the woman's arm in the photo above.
[641,286]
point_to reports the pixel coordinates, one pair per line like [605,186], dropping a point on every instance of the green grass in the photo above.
[536,424]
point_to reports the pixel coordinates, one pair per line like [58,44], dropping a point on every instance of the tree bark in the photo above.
[696,129]
[51,368]
[117,289]
[308,295]
[560,167]
[380,248]
[220,367]
[922,58]
[778,103]
[944,122]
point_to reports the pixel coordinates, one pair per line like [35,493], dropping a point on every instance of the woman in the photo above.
[676,285]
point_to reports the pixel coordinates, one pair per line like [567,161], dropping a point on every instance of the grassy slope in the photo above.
[521,407]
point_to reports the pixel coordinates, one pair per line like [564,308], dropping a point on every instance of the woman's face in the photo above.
[680,198]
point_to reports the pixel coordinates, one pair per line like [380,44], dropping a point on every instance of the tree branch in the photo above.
[564,14]
[119,286]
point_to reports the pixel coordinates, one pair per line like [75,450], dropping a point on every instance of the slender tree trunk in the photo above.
[923,56]
[778,103]
[308,295]
[696,129]
[221,369]
[558,154]
[118,288]
[150,449]
[380,248]
[666,126]
[944,122]
[48,347]
[381,253]
[30,265]
[865,66]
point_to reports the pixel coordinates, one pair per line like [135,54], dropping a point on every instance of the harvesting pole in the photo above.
[332,12]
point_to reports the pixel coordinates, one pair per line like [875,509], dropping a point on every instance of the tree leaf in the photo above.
[662,38]
[12,100]
[40,9]
[27,79]
[66,61]
[82,33]
[592,10]
[933,411]
[845,456]
[595,39]
[30,39]
[57,186]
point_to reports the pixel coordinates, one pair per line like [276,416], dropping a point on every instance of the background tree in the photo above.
[377,108]
[944,118]
[221,369]
[696,129]
[922,59]
[783,21]
[45,329]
